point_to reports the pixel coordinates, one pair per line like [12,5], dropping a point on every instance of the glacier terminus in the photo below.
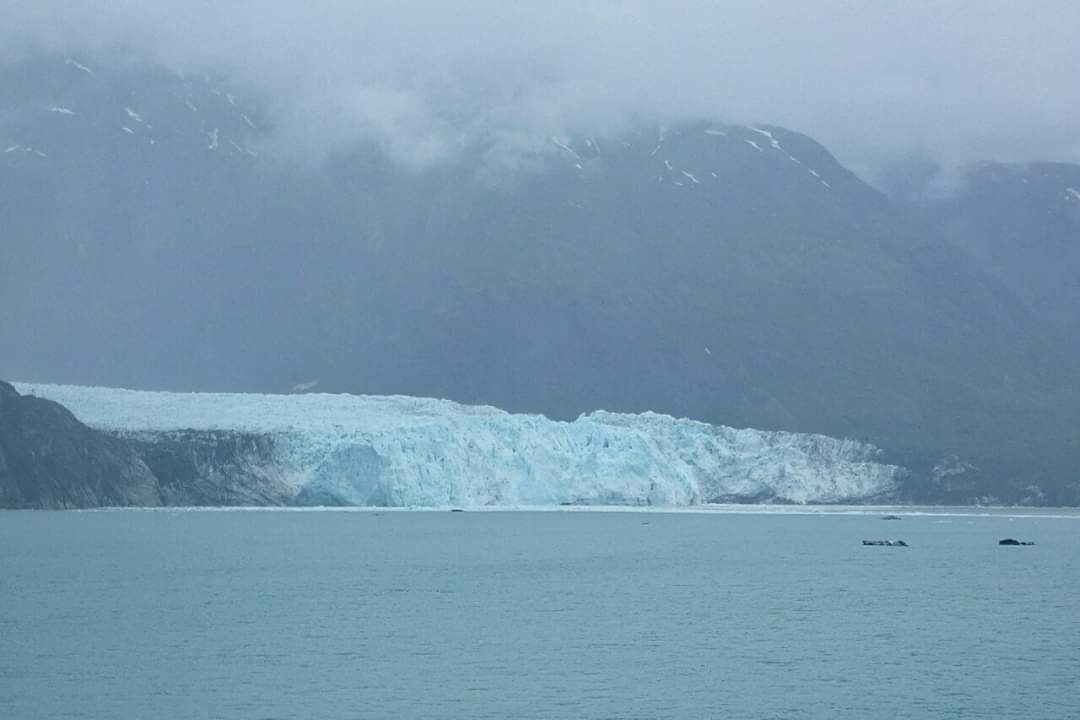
[398,451]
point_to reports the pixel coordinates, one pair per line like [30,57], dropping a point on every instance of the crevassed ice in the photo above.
[401,451]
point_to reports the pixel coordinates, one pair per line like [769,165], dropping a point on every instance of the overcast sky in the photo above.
[961,80]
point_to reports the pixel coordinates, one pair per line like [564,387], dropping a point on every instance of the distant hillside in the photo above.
[732,274]
[1021,224]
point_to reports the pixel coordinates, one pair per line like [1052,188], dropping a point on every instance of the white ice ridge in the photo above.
[1072,194]
[407,451]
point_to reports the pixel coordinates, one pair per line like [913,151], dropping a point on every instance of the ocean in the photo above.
[522,614]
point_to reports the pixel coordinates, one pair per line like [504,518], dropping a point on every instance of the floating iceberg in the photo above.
[406,451]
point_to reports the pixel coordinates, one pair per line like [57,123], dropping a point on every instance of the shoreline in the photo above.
[1061,513]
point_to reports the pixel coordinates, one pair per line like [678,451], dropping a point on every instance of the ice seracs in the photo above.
[401,451]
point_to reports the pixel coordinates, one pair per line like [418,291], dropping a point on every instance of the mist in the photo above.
[956,82]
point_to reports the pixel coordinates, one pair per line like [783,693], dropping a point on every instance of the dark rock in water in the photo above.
[50,460]
[1013,541]
[890,517]
[456,510]
[886,543]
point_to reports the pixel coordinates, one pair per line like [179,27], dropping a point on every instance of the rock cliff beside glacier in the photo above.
[251,449]
[48,459]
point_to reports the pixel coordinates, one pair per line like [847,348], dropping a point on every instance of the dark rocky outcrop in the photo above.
[213,467]
[1014,541]
[48,459]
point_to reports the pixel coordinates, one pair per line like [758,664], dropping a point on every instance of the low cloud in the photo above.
[957,81]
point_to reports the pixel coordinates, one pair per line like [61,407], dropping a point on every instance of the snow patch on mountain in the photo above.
[24,149]
[136,117]
[562,145]
[408,451]
[78,66]
[772,140]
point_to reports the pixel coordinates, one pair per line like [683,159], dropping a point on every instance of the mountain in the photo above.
[1020,223]
[48,459]
[731,274]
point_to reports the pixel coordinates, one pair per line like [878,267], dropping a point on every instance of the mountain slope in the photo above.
[1021,224]
[48,459]
[731,274]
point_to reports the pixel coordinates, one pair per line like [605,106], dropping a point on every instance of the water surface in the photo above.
[181,614]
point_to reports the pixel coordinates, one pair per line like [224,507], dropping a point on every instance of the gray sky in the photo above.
[979,79]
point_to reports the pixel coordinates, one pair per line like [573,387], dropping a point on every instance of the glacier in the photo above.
[407,451]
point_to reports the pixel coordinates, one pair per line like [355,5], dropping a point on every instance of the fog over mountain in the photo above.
[564,208]
[955,81]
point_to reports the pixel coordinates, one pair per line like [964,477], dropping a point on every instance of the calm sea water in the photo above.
[180,614]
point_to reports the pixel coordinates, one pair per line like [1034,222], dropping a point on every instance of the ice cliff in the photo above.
[405,451]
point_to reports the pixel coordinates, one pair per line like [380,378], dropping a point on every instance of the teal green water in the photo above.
[174,614]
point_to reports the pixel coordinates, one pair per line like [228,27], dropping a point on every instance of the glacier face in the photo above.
[406,451]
